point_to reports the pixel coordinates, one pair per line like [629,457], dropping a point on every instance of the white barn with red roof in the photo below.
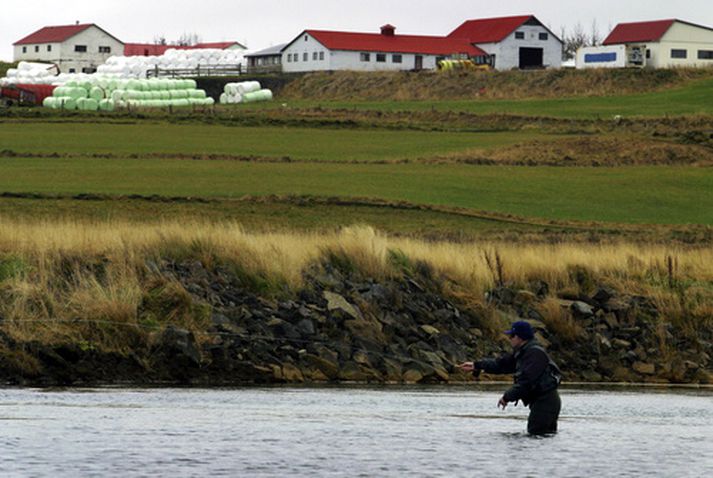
[73,48]
[320,50]
[663,43]
[515,42]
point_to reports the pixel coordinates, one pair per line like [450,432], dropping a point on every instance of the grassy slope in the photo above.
[690,99]
[274,142]
[661,195]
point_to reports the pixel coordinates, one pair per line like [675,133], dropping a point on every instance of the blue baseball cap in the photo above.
[522,329]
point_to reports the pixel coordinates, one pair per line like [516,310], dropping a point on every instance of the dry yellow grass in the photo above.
[56,295]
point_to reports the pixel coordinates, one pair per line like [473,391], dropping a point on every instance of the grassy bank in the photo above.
[571,94]
[687,99]
[655,195]
[429,86]
[86,282]
[338,145]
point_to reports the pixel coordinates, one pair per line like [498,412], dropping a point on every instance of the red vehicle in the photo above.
[25,95]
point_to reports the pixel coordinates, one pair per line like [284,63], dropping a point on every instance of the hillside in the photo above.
[455,85]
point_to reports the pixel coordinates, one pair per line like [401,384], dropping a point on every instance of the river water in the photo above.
[351,432]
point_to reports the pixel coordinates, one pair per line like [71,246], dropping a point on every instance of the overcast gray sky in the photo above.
[263,23]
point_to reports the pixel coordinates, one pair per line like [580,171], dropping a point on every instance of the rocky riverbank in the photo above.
[344,327]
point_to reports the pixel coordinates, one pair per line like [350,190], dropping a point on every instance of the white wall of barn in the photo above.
[94,39]
[507,52]
[307,54]
[682,37]
[45,52]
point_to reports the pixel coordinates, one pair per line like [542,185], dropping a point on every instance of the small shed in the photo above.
[268,60]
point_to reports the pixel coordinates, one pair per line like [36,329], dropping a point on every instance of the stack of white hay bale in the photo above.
[106,94]
[244,92]
[125,67]
[172,59]
[30,73]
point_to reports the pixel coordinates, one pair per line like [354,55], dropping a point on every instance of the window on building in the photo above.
[104,49]
[519,35]
[679,53]
[315,55]
[306,38]
[397,59]
[24,49]
[381,57]
[364,57]
[72,70]
[305,56]
[49,47]
[80,48]
[648,54]
[544,36]
[321,55]
[705,54]
[289,58]
[37,48]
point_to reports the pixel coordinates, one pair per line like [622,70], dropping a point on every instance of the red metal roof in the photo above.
[53,34]
[376,42]
[145,49]
[152,49]
[638,32]
[489,30]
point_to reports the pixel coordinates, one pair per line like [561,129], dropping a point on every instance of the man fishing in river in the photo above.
[536,378]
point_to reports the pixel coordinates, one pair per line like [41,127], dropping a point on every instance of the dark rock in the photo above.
[501,296]
[306,327]
[336,302]
[603,295]
[581,310]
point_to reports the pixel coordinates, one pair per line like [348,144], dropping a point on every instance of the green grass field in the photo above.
[126,154]
[694,98]
[657,195]
[272,142]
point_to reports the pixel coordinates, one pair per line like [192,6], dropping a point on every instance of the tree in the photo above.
[160,40]
[595,38]
[573,41]
[188,39]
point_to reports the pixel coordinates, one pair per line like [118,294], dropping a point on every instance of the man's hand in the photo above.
[470,367]
[503,402]
[467,366]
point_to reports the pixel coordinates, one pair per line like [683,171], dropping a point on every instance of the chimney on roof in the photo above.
[388,30]
[76,22]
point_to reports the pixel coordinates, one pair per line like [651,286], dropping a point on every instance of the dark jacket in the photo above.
[535,372]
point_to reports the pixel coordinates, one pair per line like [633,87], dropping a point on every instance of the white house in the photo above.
[73,48]
[319,50]
[664,43]
[513,42]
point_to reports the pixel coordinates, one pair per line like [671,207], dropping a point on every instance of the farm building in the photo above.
[319,50]
[662,43]
[266,61]
[513,42]
[73,48]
